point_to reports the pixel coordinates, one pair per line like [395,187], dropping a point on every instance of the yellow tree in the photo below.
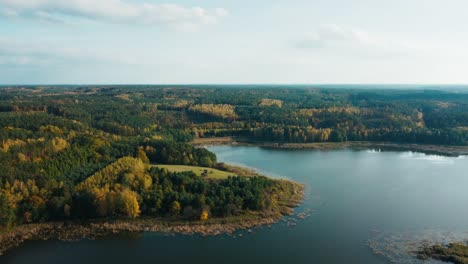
[58,144]
[204,215]
[175,208]
[128,203]
[142,155]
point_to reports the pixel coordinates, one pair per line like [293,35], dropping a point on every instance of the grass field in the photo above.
[212,173]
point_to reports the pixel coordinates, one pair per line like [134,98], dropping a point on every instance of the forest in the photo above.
[86,152]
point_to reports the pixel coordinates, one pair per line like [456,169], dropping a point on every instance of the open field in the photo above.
[211,173]
[213,141]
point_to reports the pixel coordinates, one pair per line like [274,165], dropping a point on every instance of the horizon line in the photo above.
[232,84]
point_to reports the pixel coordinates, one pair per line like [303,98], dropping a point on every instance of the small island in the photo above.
[454,253]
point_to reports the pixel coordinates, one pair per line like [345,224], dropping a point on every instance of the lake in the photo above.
[364,207]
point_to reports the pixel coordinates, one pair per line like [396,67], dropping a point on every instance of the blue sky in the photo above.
[291,41]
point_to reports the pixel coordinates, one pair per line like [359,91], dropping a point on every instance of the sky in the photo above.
[233,42]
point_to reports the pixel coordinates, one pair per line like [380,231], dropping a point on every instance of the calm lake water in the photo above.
[363,202]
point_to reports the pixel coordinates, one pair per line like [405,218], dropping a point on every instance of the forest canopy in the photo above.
[84,152]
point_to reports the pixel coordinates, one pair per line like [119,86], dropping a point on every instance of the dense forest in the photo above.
[88,151]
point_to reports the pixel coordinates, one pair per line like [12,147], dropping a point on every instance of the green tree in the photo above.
[7,214]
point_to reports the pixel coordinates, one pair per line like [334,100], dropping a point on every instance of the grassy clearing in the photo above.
[199,171]
[213,141]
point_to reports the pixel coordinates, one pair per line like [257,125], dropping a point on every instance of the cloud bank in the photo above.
[113,11]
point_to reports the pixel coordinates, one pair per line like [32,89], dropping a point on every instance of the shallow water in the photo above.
[358,203]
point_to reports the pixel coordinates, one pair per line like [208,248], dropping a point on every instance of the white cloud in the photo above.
[330,35]
[115,11]
[358,41]
[14,52]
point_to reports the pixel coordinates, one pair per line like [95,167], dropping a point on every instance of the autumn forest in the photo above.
[86,152]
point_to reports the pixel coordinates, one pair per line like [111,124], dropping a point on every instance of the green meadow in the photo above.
[199,171]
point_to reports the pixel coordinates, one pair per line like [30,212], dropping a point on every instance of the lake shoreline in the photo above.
[74,231]
[98,228]
[441,150]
